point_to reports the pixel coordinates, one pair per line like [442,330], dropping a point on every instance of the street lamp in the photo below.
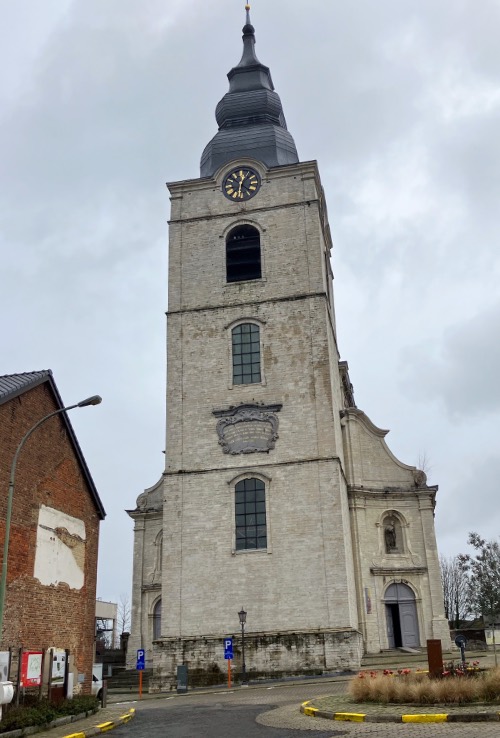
[243,618]
[94,400]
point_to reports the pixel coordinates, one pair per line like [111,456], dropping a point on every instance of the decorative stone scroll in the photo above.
[248,429]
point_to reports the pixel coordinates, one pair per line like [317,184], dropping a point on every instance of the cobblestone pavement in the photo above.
[340,703]
[287,717]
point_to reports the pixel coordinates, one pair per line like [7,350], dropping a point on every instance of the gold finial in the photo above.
[247,7]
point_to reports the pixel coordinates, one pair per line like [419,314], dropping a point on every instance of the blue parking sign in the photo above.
[141,659]
[228,648]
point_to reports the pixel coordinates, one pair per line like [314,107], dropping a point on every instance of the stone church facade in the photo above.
[279,496]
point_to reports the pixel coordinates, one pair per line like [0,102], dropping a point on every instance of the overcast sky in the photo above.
[103,101]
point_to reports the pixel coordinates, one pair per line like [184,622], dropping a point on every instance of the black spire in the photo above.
[250,116]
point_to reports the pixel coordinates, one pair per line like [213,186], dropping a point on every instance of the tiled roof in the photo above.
[14,384]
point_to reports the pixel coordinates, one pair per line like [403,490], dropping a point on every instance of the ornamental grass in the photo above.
[455,687]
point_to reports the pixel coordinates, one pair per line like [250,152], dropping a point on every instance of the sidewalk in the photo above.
[104,720]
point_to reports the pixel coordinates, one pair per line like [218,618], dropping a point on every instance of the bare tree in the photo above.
[124,613]
[103,632]
[424,464]
[455,580]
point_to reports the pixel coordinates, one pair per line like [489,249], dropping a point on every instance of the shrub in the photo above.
[459,687]
[44,712]
[491,685]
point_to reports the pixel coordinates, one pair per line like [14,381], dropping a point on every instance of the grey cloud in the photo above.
[464,374]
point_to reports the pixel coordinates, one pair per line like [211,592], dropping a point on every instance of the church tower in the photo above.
[264,485]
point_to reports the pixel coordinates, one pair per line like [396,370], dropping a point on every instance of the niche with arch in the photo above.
[392,531]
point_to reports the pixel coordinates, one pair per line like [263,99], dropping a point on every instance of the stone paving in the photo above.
[342,703]
[288,717]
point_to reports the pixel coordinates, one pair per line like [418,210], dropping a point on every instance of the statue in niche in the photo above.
[391,545]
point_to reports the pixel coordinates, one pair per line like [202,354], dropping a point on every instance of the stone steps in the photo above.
[129,680]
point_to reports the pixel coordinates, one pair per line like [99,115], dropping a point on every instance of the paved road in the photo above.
[269,713]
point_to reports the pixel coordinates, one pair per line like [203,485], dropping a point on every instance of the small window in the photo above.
[250,511]
[246,354]
[243,254]
[157,621]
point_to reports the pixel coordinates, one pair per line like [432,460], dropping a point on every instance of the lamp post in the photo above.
[243,618]
[94,400]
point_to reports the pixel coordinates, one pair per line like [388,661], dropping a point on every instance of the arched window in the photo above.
[250,510]
[243,254]
[159,551]
[157,620]
[246,354]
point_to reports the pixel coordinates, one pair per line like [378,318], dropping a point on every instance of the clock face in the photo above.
[241,184]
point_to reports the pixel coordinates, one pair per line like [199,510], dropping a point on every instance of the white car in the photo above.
[97,683]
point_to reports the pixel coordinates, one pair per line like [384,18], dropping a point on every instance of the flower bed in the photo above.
[43,712]
[457,685]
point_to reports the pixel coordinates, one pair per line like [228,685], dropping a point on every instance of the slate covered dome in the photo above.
[250,117]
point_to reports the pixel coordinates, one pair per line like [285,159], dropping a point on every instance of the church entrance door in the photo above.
[401,617]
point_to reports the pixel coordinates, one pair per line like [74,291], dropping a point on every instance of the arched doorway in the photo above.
[401,616]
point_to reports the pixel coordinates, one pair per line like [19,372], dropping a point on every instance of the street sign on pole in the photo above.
[141,659]
[228,648]
[228,655]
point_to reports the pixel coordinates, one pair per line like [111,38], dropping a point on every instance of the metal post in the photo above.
[495,645]
[243,618]
[243,666]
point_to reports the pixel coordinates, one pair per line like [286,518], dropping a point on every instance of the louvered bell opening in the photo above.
[243,254]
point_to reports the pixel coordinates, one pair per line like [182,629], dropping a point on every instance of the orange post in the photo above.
[229,673]
[140,684]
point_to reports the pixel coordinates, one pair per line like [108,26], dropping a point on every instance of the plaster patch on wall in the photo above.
[60,549]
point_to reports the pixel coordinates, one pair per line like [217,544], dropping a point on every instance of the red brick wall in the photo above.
[38,616]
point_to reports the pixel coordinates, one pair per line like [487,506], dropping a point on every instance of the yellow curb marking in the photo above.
[438,718]
[75,735]
[350,717]
[311,711]
[103,727]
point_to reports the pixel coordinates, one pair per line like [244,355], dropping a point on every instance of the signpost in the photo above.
[228,655]
[140,665]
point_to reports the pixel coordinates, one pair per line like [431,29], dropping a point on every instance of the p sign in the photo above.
[228,648]
[140,665]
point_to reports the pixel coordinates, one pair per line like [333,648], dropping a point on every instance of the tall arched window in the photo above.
[243,254]
[157,620]
[246,354]
[250,510]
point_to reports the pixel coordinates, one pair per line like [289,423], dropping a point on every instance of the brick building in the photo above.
[279,494]
[52,563]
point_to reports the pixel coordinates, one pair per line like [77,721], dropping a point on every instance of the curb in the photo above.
[354,717]
[104,727]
